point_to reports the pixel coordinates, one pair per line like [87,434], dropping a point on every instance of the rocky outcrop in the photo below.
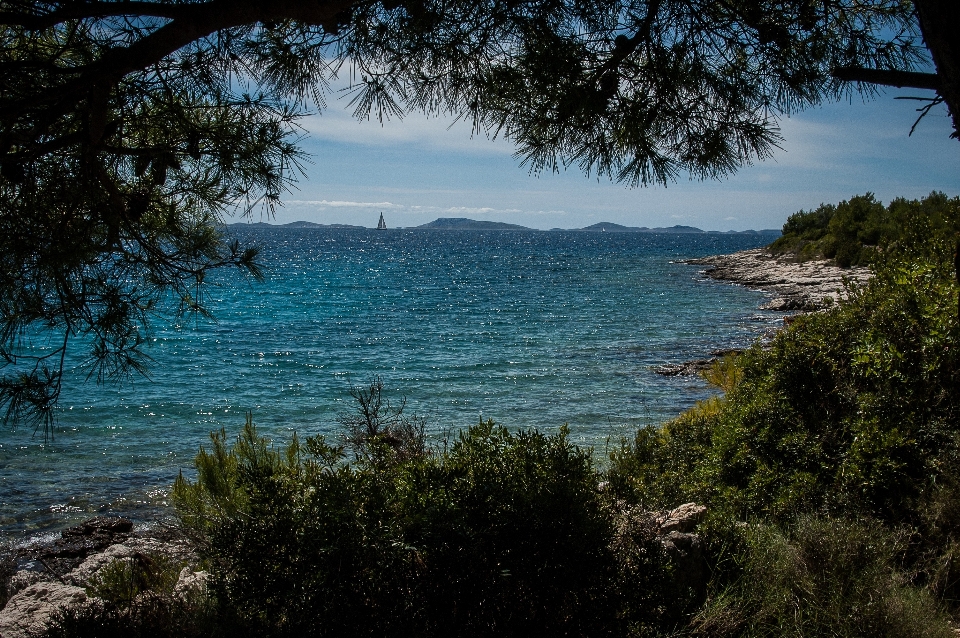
[800,286]
[683,546]
[131,549]
[26,614]
[690,368]
[674,531]
[73,561]
[78,542]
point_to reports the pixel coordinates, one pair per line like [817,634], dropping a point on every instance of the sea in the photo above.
[533,329]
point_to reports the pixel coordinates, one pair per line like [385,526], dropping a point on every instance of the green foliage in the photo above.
[148,617]
[855,232]
[820,577]
[501,534]
[851,413]
[122,581]
[655,469]
[848,410]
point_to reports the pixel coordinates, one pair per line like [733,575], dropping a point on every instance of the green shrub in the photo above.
[122,581]
[852,412]
[856,231]
[147,617]
[501,534]
[820,577]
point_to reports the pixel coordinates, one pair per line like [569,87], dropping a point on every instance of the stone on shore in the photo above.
[26,614]
[73,562]
[803,286]
[806,286]
[675,531]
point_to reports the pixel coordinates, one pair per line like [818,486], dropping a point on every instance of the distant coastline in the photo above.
[463,223]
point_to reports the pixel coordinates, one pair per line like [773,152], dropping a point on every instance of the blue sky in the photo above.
[418,169]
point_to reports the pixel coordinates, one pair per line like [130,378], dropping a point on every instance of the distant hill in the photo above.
[292,225]
[610,227]
[462,223]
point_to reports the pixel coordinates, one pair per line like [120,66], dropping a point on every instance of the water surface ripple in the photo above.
[531,329]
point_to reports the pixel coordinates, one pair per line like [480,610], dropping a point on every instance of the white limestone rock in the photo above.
[799,286]
[191,583]
[27,613]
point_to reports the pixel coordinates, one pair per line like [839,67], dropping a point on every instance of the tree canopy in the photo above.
[128,128]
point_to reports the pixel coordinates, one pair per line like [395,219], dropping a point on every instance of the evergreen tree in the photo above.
[128,129]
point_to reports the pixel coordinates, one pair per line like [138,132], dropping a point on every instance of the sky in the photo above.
[418,169]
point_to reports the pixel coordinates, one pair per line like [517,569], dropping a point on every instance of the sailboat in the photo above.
[382,225]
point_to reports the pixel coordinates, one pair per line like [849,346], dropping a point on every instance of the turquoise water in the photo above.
[531,329]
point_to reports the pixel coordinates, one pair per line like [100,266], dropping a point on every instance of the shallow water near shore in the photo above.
[531,329]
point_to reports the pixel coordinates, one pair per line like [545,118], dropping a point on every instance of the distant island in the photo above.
[463,223]
[610,227]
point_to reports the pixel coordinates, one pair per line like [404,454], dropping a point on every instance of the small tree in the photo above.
[377,431]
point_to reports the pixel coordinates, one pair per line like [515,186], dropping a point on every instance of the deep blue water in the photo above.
[531,329]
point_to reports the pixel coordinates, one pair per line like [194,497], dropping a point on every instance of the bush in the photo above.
[852,413]
[820,577]
[855,232]
[501,534]
[853,410]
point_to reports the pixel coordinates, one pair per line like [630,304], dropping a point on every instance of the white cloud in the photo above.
[336,124]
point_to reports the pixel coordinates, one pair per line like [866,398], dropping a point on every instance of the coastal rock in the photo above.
[131,549]
[191,583]
[20,581]
[674,531]
[27,613]
[690,368]
[685,369]
[78,542]
[800,286]
[80,554]
[683,546]
[683,518]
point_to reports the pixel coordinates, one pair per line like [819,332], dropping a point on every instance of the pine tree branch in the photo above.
[200,21]
[97,10]
[885,77]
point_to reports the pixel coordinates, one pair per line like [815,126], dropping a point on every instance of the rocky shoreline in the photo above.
[41,580]
[803,286]
[799,286]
